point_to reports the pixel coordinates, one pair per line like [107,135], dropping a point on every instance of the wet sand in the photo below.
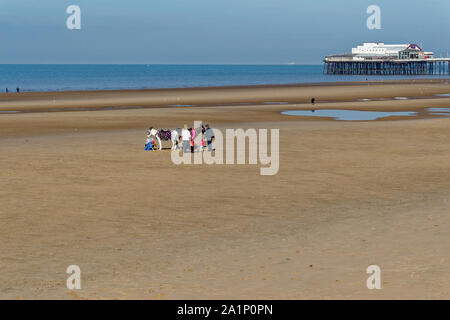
[301,93]
[78,188]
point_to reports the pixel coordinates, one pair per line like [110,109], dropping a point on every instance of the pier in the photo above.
[380,59]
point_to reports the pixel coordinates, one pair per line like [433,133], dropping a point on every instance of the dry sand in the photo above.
[78,188]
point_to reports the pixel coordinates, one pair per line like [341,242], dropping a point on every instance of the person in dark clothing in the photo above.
[17,89]
[209,137]
[7,90]
[313,100]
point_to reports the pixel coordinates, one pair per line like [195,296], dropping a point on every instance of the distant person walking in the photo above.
[17,89]
[209,137]
[7,90]
[313,101]
[186,138]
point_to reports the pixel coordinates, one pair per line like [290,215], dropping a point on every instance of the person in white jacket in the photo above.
[186,138]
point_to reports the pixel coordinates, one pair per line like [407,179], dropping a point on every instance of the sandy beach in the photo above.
[79,189]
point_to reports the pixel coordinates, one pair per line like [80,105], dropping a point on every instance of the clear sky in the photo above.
[212,31]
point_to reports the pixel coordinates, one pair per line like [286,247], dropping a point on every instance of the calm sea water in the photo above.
[108,77]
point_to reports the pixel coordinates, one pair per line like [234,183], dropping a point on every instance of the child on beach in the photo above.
[202,145]
[148,144]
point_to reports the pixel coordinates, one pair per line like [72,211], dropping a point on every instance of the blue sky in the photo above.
[212,31]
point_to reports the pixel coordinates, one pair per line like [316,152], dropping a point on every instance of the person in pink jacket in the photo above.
[192,140]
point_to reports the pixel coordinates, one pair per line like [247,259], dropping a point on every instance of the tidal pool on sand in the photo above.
[351,115]
[439,111]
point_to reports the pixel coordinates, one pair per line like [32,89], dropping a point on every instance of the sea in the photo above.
[59,77]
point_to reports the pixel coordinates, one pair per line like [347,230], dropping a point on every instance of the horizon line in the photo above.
[174,64]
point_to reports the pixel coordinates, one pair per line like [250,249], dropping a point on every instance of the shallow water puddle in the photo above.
[6,112]
[439,111]
[276,102]
[443,95]
[348,115]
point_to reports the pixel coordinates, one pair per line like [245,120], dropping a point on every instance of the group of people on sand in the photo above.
[188,136]
[184,136]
